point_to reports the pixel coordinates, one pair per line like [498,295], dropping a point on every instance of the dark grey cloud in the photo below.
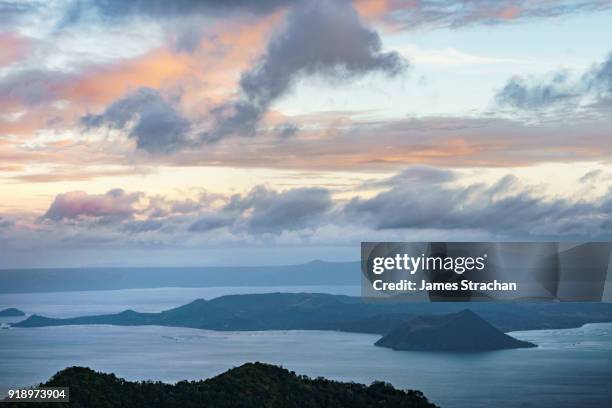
[211,222]
[325,38]
[593,88]
[150,119]
[268,211]
[505,208]
[289,210]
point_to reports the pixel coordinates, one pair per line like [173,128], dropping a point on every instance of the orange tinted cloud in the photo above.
[369,8]
[208,75]
[105,84]
[218,63]
[379,9]
[510,13]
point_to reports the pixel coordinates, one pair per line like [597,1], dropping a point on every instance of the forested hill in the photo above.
[251,385]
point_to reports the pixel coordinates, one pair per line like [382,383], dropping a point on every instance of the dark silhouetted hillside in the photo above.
[253,385]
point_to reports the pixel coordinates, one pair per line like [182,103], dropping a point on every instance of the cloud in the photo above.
[318,38]
[211,222]
[417,203]
[12,12]
[88,83]
[33,87]
[260,211]
[286,130]
[521,93]
[598,81]
[421,174]
[13,47]
[151,120]
[5,224]
[160,9]
[592,89]
[405,14]
[462,13]
[136,227]
[591,176]
[417,199]
[267,211]
[357,144]
[294,209]
[506,208]
[115,204]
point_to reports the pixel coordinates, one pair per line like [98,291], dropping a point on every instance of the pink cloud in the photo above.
[13,47]
[76,204]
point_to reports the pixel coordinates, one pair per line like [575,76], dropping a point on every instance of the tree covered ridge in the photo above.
[255,385]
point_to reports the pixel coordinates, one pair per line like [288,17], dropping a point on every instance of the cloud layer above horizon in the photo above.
[203,124]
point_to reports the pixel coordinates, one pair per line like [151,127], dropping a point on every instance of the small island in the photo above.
[250,385]
[11,312]
[456,332]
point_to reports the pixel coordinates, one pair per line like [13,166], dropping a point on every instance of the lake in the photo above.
[570,368]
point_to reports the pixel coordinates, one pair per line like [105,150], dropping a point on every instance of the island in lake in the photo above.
[316,311]
[461,331]
[250,385]
[11,312]
[480,328]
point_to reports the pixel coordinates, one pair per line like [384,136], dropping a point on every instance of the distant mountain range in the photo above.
[311,311]
[83,279]
[250,385]
[461,331]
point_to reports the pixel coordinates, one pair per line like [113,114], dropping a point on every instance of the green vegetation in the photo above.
[253,385]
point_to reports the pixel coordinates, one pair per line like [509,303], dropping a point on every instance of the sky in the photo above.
[151,133]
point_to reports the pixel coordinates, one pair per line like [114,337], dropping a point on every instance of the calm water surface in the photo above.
[571,368]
